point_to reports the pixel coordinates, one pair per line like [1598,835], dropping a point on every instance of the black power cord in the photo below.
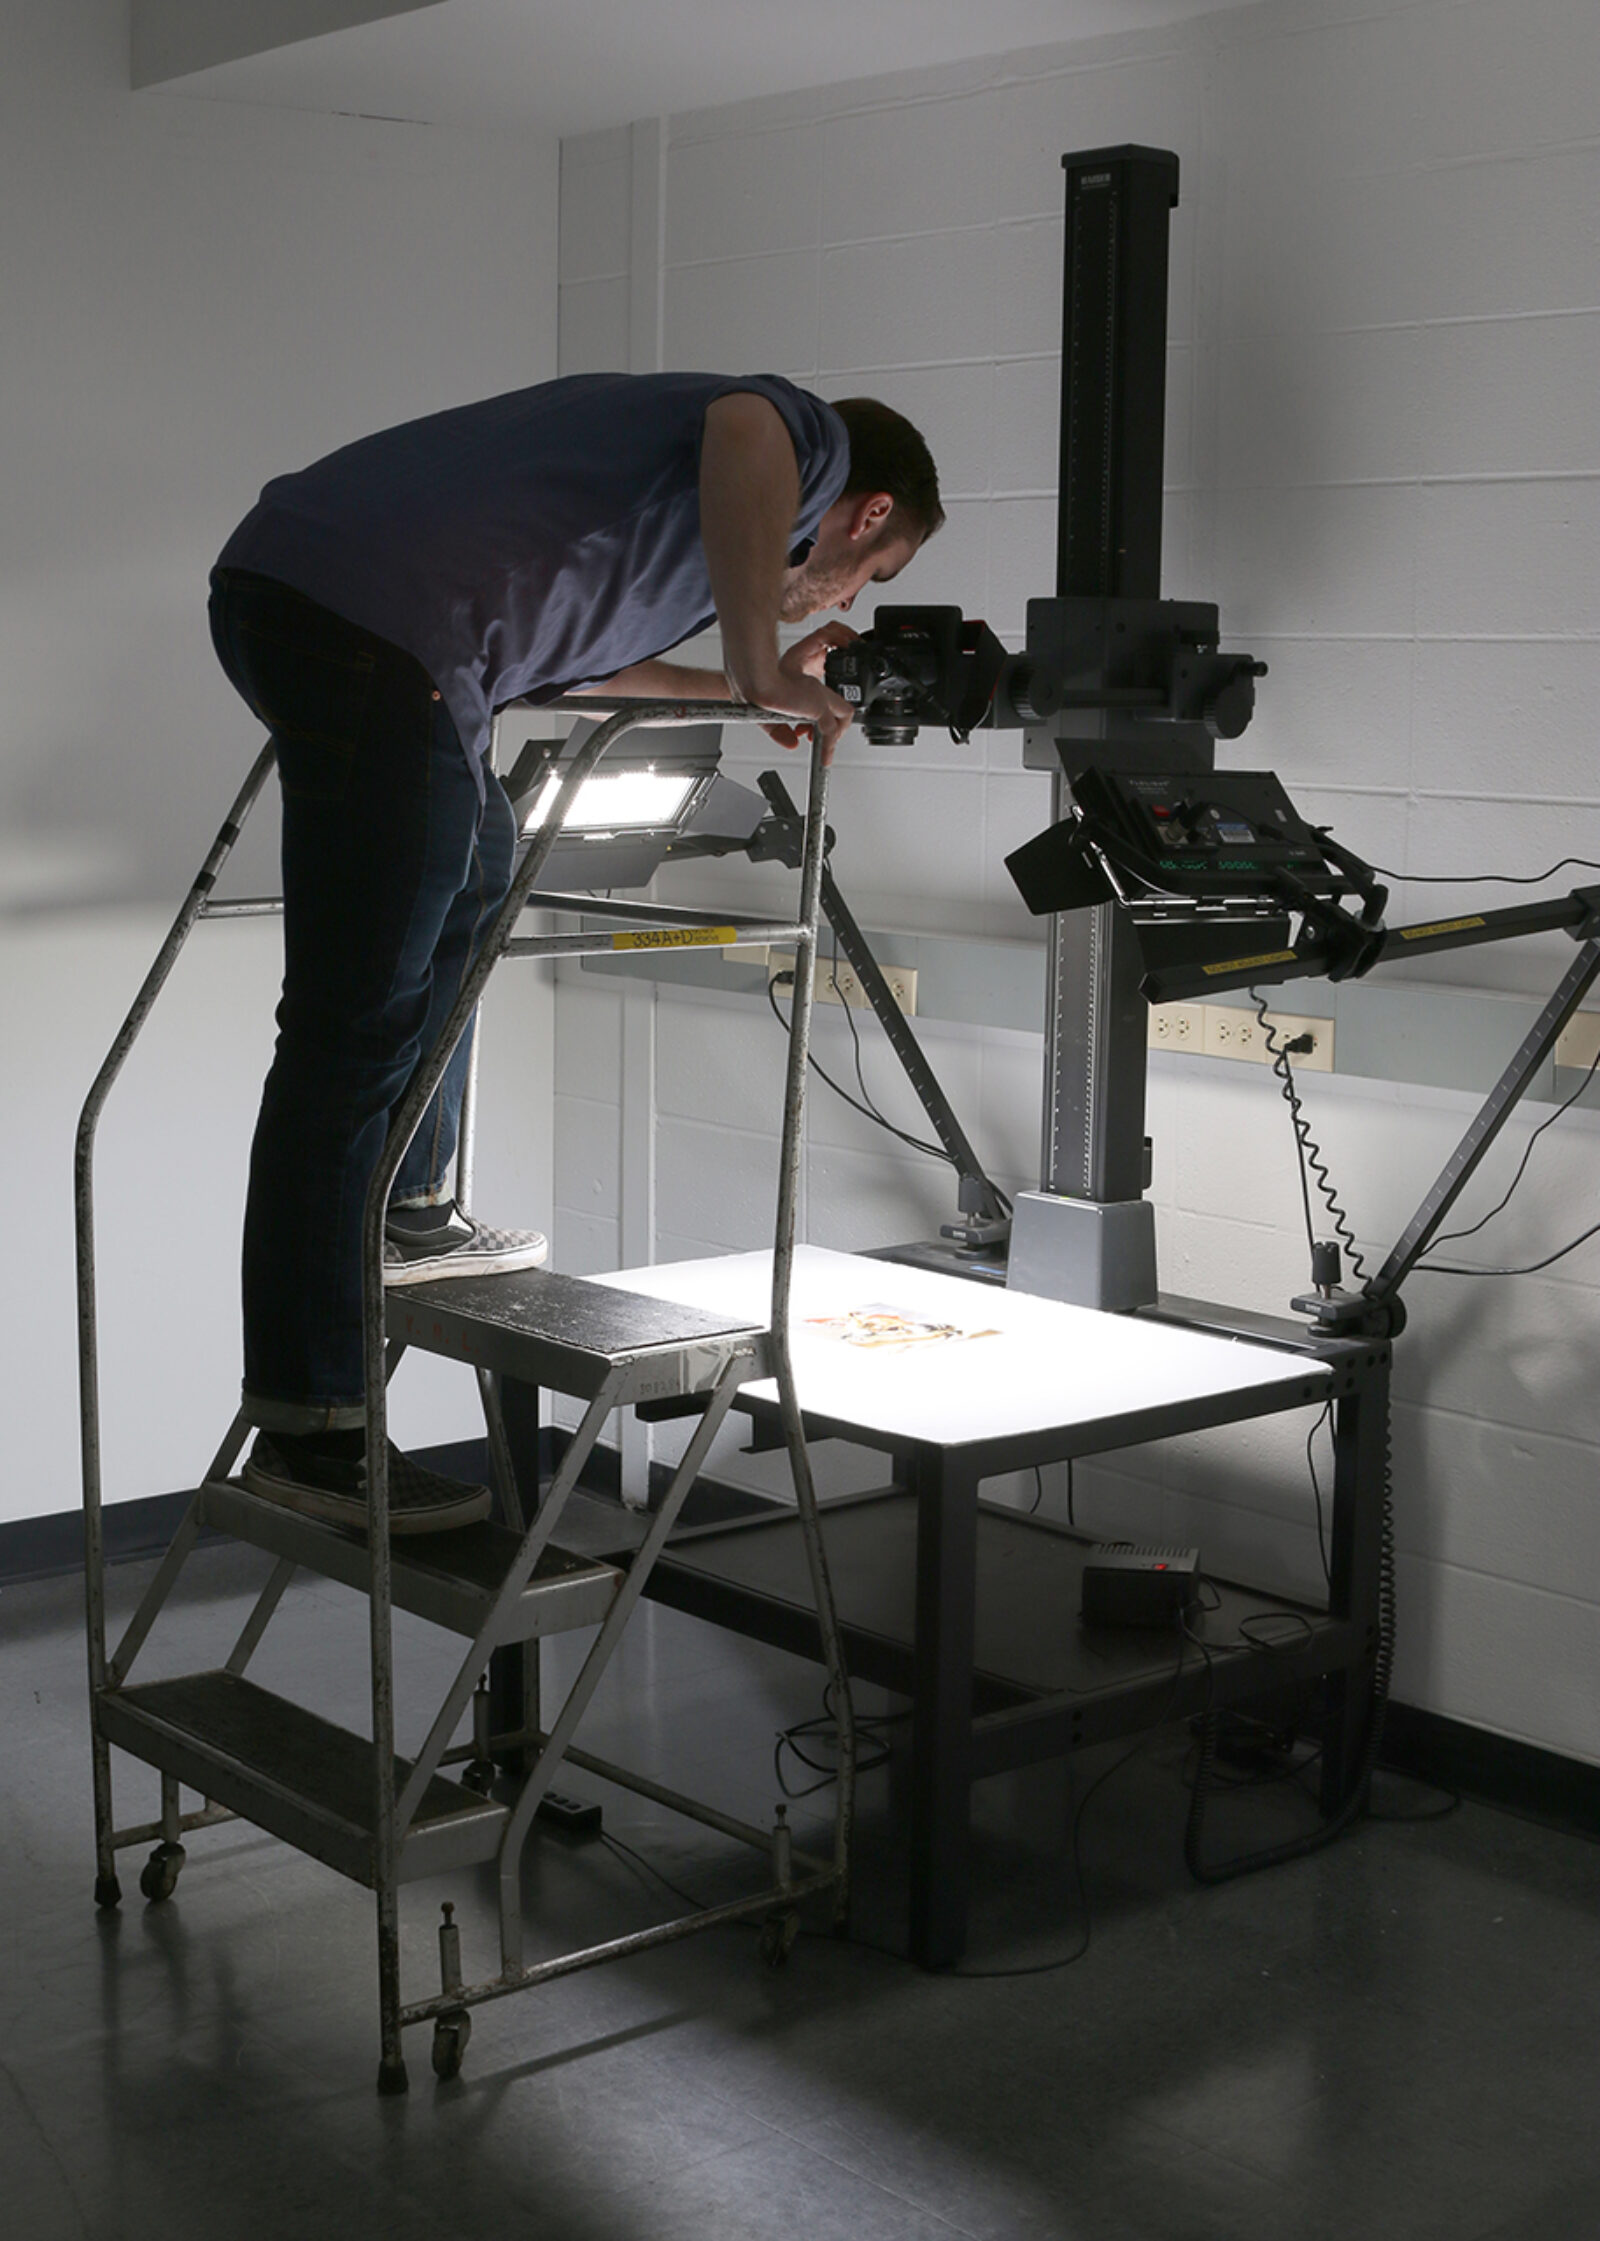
[867,1111]
[1527,1268]
[1486,879]
[865,1103]
[1452,1236]
[1308,1149]
[1326,1417]
[824,1729]
[1080,1887]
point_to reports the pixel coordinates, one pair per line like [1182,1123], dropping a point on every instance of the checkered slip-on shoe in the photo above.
[431,1242]
[290,1472]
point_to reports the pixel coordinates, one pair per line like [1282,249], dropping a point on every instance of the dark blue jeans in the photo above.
[393,867]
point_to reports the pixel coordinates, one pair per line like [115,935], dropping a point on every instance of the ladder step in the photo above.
[569,1335]
[449,1579]
[295,1775]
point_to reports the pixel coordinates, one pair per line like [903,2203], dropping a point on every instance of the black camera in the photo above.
[927,665]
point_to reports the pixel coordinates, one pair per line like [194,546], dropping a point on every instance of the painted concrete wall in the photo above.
[1384,463]
[196,296]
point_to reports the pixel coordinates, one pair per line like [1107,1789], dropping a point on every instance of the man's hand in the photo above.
[800,669]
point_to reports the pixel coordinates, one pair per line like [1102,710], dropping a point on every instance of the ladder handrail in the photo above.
[83,1200]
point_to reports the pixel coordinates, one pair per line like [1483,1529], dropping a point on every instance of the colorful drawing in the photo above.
[882,1326]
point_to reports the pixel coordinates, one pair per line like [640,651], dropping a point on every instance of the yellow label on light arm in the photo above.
[1441,926]
[1252,964]
[678,937]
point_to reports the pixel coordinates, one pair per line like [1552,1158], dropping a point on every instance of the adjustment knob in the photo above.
[1032,689]
[1229,710]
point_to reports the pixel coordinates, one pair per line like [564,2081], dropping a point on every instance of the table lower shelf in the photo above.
[1043,1682]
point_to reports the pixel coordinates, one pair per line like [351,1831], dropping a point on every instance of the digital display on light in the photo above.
[618,801]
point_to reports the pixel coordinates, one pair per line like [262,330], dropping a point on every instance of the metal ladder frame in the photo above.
[395,1800]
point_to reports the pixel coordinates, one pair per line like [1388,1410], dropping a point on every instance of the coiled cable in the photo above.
[1309,1149]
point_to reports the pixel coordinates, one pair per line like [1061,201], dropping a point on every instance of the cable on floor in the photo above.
[1356,1803]
[823,1728]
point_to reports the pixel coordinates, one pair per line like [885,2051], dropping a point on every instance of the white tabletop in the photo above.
[1013,1364]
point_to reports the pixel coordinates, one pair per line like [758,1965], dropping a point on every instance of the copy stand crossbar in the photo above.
[351,1802]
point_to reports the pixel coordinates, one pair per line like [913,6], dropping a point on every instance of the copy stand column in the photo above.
[1087,1235]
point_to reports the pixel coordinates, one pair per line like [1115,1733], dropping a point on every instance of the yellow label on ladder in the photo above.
[678,937]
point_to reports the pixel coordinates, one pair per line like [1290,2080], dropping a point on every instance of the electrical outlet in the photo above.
[1176,1027]
[839,985]
[1291,1027]
[1579,1041]
[902,980]
[1232,1032]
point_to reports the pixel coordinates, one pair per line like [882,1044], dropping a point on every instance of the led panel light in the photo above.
[618,801]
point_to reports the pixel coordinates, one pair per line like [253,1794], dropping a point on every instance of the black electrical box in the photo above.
[1220,833]
[1128,1586]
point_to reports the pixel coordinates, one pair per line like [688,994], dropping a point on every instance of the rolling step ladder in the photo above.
[347,1799]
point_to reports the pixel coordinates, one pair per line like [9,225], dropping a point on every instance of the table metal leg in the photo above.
[1360,1476]
[941,1727]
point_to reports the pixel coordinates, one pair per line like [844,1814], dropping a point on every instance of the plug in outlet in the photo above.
[1176,1027]
[1232,1032]
[1290,1027]
[1578,1043]
[839,985]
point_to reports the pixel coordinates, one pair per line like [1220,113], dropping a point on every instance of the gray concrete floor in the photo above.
[1397,2037]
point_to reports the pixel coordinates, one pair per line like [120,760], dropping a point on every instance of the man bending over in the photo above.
[373,611]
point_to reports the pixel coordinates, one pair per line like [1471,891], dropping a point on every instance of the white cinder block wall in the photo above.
[1384,463]
[197,295]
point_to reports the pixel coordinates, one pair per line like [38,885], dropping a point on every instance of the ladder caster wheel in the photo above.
[107,1893]
[778,1933]
[450,2035]
[479,1774]
[158,1878]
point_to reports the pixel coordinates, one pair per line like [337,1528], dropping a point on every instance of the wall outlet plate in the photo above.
[1579,1041]
[1290,1027]
[837,984]
[1176,1027]
[1233,1031]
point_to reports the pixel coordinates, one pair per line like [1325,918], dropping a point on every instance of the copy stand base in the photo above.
[1083,1252]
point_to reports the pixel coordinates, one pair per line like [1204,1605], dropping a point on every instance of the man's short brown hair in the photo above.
[887,453]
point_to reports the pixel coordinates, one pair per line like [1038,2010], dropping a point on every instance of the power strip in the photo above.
[573,1816]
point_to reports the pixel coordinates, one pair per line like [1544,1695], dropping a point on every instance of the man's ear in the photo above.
[869,514]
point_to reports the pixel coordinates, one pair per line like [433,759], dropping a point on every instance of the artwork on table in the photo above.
[882,1326]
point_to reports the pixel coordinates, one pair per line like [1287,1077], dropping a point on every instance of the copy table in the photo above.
[971,1608]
